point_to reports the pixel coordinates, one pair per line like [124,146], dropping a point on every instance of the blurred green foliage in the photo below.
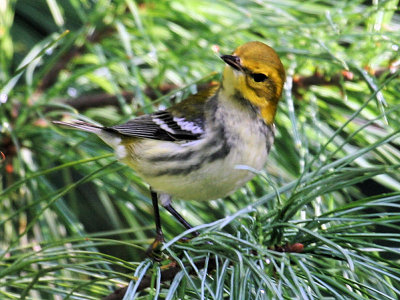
[74,223]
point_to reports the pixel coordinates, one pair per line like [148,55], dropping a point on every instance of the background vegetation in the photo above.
[74,223]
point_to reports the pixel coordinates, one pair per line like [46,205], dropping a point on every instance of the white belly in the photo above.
[211,181]
[208,181]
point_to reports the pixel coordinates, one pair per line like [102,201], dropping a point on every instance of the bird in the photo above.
[192,150]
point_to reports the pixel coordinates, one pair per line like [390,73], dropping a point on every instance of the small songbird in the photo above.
[191,151]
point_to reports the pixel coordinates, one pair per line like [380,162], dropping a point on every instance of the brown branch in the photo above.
[304,82]
[166,275]
[84,102]
[96,100]
[99,100]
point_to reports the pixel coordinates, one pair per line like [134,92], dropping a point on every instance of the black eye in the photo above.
[259,77]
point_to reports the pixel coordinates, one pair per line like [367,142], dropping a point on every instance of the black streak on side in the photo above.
[211,150]
[219,152]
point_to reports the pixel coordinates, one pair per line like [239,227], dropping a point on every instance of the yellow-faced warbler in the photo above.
[190,151]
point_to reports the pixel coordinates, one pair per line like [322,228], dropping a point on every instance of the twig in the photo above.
[299,82]
[166,275]
[96,100]
[318,78]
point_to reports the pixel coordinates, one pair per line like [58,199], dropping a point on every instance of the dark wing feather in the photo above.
[184,121]
[142,127]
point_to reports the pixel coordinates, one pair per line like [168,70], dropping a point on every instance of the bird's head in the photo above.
[255,72]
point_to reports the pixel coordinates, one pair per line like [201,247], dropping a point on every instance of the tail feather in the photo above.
[80,125]
[110,137]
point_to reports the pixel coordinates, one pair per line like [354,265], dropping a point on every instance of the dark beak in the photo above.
[233,61]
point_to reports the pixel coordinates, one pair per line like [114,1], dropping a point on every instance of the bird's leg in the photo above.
[166,203]
[159,234]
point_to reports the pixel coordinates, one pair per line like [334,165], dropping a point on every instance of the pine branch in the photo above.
[166,275]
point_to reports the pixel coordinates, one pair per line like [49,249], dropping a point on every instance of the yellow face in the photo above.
[255,72]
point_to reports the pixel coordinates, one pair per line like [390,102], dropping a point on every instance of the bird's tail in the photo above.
[110,137]
[80,125]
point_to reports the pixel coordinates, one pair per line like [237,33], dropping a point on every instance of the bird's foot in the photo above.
[154,250]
